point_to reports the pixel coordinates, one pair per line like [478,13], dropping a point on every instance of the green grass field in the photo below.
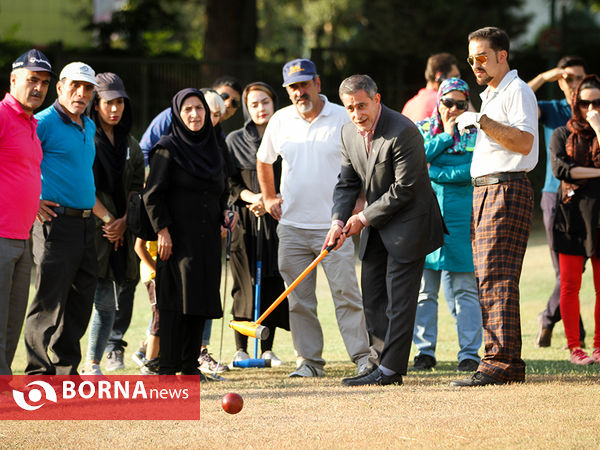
[557,407]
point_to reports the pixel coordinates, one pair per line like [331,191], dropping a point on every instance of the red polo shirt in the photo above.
[20,176]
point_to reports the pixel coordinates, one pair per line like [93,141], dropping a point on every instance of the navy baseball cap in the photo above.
[33,60]
[297,71]
[110,86]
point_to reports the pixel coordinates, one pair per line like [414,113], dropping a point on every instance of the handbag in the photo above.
[138,221]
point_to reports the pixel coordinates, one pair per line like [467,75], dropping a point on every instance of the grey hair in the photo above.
[215,101]
[357,83]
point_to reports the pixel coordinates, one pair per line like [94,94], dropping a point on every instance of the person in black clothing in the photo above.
[186,202]
[259,102]
[575,158]
[118,173]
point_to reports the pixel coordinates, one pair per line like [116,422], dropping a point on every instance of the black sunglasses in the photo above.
[234,103]
[587,103]
[460,104]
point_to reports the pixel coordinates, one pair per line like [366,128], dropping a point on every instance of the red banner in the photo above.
[113,397]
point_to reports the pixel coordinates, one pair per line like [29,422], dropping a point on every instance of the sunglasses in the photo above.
[449,103]
[570,79]
[587,103]
[481,59]
[234,103]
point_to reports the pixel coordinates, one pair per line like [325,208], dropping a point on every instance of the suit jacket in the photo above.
[401,204]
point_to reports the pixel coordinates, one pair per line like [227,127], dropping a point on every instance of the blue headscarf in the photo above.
[433,125]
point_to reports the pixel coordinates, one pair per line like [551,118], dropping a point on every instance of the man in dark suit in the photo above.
[383,154]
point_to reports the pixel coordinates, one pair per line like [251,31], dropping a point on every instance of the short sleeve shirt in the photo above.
[20,158]
[554,114]
[513,104]
[69,152]
[311,155]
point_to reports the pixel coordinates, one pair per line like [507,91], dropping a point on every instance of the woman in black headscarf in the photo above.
[186,201]
[259,102]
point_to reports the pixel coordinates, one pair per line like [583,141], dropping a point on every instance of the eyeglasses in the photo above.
[234,102]
[481,59]
[587,103]
[449,103]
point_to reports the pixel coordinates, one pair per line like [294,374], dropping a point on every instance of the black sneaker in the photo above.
[150,367]
[477,379]
[114,360]
[424,362]
[467,365]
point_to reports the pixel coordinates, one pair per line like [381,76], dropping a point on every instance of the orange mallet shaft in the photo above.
[255,329]
[292,286]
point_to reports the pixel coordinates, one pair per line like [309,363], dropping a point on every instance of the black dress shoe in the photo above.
[477,379]
[467,365]
[363,373]
[424,362]
[375,378]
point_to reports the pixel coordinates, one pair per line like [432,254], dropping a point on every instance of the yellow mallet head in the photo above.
[250,329]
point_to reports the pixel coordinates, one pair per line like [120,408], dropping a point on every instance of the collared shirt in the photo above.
[69,151]
[368,135]
[20,158]
[513,104]
[312,158]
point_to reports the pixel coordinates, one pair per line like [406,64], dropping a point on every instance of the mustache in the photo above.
[36,94]
[303,97]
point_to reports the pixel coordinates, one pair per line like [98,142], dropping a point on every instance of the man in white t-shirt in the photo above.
[505,150]
[307,136]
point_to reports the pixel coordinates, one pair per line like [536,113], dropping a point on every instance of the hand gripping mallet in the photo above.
[255,329]
[230,216]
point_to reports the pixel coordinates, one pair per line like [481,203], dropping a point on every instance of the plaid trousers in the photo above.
[500,228]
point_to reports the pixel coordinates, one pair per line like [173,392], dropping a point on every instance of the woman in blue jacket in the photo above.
[449,156]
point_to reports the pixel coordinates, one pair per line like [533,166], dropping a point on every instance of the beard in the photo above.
[485,80]
[304,107]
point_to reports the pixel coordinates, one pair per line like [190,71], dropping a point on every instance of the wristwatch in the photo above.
[106,218]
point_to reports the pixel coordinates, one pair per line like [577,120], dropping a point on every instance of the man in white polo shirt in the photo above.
[307,136]
[505,150]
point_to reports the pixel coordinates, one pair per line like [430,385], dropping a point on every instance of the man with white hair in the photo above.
[63,239]
[20,158]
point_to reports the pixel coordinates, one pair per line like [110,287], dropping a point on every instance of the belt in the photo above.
[496,178]
[72,212]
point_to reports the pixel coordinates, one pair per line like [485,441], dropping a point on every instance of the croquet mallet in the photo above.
[255,329]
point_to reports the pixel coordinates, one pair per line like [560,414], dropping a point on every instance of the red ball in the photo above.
[232,403]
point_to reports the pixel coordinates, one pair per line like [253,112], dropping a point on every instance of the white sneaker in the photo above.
[240,355]
[307,371]
[275,361]
[91,369]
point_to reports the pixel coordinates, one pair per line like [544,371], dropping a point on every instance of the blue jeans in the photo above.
[460,290]
[125,294]
[207,330]
[103,318]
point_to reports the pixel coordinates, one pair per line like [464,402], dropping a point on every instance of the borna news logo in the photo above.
[112,397]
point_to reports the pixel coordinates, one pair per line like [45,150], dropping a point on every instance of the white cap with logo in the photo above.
[78,71]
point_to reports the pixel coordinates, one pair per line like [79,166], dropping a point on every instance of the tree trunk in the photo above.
[230,38]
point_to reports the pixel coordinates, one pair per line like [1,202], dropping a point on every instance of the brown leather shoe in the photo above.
[544,336]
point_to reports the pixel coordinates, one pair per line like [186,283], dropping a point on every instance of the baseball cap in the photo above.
[110,86]
[78,71]
[33,60]
[298,70]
